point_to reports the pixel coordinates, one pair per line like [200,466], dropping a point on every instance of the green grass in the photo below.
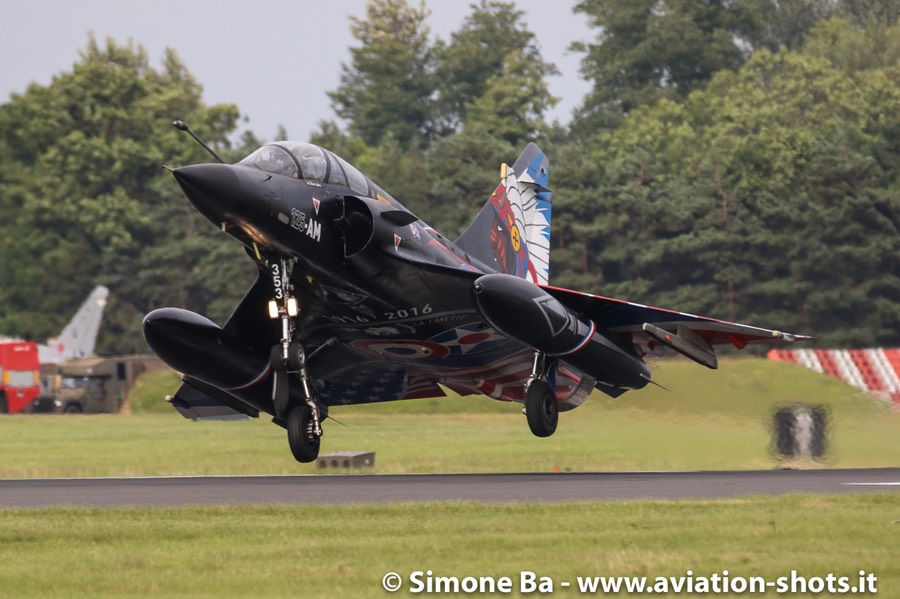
[710,420]
[343,551]
[149,390]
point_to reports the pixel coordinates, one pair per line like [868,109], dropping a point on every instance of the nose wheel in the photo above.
[302,437]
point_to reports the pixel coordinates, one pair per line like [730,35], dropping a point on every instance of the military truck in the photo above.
[95,385]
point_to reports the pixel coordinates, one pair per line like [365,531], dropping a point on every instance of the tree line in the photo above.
[733,158]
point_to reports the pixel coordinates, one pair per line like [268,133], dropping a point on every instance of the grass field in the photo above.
[313,551]
[710,420]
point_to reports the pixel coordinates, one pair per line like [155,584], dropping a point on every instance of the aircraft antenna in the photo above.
[652,382]
[183,126]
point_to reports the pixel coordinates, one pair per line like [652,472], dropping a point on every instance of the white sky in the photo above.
[275,60]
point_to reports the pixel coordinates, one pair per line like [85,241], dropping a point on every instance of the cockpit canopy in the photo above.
[310,163]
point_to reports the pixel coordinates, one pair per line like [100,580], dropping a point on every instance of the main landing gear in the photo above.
[302,420]
[540,398]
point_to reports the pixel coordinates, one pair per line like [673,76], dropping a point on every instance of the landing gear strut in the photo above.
[303,421]
[540,399]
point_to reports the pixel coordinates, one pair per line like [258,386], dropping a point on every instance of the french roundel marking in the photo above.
[402,349]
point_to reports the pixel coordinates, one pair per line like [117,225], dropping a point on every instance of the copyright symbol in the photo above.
[392,582]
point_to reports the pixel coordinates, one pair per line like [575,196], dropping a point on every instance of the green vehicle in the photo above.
[97,385]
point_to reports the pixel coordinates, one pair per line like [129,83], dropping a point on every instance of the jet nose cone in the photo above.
[214,189]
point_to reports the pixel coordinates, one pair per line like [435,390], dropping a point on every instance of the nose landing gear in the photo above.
[302,420]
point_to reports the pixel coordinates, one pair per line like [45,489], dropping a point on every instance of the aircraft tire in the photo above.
[296,357]
[304,444]
[276,360]
[541,409]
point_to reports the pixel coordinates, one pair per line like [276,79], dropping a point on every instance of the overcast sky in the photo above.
[275,62]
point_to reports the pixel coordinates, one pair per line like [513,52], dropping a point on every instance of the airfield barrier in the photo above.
[875,370]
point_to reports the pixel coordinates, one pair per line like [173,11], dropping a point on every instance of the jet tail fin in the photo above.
[80,335]
[512,231]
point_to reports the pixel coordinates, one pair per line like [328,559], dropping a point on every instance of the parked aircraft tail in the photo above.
[512,231]
[80,335]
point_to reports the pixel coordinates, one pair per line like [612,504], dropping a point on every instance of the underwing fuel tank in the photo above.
[523,311]
[196,346]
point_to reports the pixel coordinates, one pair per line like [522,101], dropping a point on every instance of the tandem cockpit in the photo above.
[309,162]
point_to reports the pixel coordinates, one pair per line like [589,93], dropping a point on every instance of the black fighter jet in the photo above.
[357,300]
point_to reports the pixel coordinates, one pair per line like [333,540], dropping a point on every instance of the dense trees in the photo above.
[386,89]
[650,49]
[738,159]
[769,195]
[85,200]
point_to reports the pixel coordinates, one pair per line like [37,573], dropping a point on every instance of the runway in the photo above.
[486,488]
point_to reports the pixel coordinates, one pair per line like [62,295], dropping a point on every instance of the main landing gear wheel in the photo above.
[301,434]
[541,409]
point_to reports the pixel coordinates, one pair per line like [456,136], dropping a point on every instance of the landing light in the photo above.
[292,307]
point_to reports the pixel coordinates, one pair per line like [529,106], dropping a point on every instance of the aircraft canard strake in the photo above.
[358,300]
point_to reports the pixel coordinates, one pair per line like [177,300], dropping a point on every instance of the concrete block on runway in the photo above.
[346,459]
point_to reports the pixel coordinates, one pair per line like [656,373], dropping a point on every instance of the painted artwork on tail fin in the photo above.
[512,231]
[78,338]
